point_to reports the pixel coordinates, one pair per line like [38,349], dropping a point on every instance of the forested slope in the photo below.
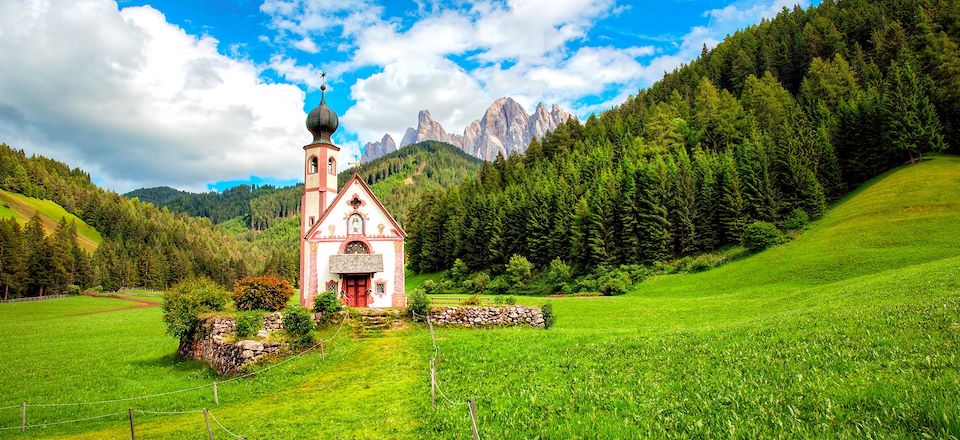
[773,124]
[142,245]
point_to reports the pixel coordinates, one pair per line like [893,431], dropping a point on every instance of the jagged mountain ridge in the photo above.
[505,128]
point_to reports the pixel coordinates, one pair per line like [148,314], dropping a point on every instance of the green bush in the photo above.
[761,235]
[429,286]
[548,318]
[607,281]
[472,300]
[519,270]
[478,282]
[459,272]
[797,220]
[73,289]
[97,288]
[418,305]
[499,285]
[298,324]
[505,300]
[268,292]
[557,274]
[248,324]
[327,303]
[186,301]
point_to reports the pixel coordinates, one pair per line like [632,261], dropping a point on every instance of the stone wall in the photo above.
[210,344]
[487,316]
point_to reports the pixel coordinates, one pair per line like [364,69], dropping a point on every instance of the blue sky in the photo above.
[199,94]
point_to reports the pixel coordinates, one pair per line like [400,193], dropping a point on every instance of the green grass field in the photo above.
[851,330]
[22,208]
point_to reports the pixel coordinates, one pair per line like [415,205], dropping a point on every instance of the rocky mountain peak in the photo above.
[504,128]
[373,150]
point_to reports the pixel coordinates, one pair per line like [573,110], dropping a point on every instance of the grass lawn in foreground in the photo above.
[851,330]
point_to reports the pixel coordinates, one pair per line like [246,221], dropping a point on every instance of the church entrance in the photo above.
[357,290]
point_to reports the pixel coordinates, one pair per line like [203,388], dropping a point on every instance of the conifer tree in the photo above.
[652,221]
[730,212]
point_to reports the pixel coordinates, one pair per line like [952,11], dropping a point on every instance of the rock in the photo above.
[373,150]
[250,345]
[505,128]
[247,354]
[263,334]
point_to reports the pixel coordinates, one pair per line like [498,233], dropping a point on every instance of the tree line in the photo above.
[773,125]
[142,245]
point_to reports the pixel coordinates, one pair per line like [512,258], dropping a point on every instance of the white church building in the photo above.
[349,243]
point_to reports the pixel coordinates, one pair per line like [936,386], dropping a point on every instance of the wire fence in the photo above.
[436,364]
[24,405]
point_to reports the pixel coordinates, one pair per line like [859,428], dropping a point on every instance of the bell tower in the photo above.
[319,187]
[320,163]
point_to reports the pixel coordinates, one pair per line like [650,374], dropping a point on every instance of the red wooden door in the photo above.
[356,288]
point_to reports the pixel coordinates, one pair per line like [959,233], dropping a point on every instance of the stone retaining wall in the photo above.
[487,316]
[210,344]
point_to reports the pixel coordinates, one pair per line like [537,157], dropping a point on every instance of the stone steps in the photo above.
[374,323]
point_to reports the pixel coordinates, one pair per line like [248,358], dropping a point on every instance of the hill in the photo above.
[159,195]
[401,178]
[773,125]
[850,330]
[22,208]
[257,206]
[139,244]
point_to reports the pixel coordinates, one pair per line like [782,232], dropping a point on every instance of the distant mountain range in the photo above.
[505,128]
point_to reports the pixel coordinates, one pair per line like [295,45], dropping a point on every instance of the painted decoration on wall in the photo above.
[356,224]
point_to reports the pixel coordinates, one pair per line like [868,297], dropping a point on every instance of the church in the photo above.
[349,243]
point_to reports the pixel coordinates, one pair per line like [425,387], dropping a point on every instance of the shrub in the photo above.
[429,286]
[97,288]
[186,301]
[327,303]
[557,274]
[472,300]
[248,324]
[548,318]
[761,235]
[615,282]
[298,324]
[519,270]
[73,289]
[499,285]
[797,220]
[478,283]
[506,300]
[459,272]
[268,292]
[704,262]
[418,305]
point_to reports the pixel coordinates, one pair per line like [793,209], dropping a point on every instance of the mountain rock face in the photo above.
[505,128]
[429,130]
[374,150]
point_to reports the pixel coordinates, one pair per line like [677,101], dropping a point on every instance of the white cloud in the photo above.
[137,101]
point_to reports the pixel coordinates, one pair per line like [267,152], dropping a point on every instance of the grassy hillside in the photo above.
[851,330]
[22,208]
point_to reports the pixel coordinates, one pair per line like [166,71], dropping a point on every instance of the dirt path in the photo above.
[140,303]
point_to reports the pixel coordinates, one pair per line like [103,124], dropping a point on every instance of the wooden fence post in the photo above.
[439,359]
[133,434]
[473,418]
[433,385]
[206,418]
[216,395]
[23,417]
[323,356]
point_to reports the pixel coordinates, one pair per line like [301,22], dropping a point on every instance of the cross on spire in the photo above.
[357,166]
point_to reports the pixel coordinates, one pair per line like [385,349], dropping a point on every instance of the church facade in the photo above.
[349,243]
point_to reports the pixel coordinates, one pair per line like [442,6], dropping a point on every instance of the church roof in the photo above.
[340,195]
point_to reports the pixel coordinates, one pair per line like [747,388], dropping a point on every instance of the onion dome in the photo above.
[322,121]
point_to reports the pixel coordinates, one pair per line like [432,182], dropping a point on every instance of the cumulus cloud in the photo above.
[137,101]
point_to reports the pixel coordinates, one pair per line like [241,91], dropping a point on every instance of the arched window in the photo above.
[313,165]
[331,166]
[355,224]
[356,247]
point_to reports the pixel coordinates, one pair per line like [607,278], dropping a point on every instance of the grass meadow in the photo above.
[852,330]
